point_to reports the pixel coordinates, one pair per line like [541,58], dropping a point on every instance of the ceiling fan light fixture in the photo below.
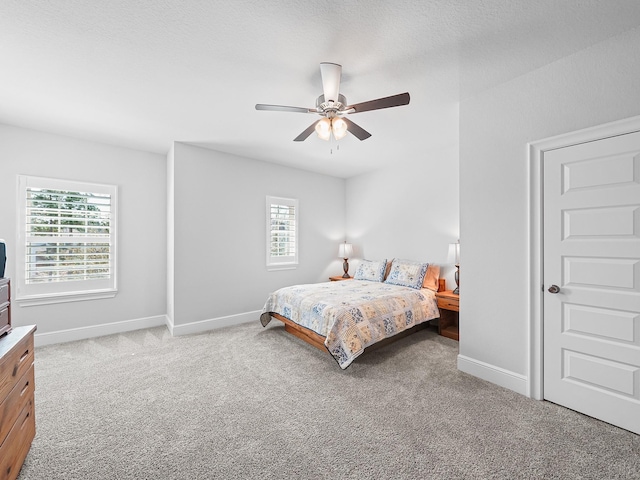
[339,127]
[323,129]
[332,106]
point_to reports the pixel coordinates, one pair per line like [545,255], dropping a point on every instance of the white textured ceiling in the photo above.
[142,74]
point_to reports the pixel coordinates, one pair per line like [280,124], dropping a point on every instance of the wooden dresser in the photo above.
[17,409]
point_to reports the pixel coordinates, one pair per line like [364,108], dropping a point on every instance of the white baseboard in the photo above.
[212,323]
[91,331]
[491,373]
[80,333]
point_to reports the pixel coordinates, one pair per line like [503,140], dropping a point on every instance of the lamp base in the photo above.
[457,278]
[345,267]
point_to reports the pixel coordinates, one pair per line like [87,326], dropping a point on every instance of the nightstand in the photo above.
[449,305]
[339,278]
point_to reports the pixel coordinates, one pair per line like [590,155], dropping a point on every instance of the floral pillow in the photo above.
[407,273]
[370,270]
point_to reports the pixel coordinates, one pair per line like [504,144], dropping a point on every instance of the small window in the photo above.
[282,233]
[66,241]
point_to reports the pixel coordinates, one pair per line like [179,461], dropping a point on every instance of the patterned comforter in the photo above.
[352,315]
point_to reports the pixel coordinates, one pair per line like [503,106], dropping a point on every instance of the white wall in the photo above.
[219,235]
[408,210]
[591,87]
[141,181]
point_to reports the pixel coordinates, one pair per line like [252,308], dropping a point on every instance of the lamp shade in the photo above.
[454,253]
[338,127]
[323,129]
[345,250]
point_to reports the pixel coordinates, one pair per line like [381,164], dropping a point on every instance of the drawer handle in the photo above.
[17,365]
[24,421]
[25,388]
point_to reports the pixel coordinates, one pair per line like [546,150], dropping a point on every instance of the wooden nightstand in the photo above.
[449,305]
[339,278]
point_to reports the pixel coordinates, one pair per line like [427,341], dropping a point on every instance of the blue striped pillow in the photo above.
[370,270]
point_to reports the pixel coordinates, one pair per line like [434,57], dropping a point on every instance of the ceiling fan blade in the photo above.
[356,130]
[386,102]
[331,73]
[304,135]
[284,108]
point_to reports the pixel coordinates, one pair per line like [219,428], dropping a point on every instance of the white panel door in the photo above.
[592,255]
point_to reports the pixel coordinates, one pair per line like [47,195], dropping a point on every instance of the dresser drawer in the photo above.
[14,449]
[4,293]
[448,303]
[15,364]
[4,314]
[20,396]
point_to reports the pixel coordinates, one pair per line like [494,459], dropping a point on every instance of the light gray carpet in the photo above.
[248,402]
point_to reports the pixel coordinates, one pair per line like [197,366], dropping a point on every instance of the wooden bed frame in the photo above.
[312,338]
[309,336]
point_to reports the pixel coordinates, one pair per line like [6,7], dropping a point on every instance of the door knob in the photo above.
[554,289]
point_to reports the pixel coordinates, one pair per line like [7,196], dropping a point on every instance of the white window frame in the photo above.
[280,262]
[29,293]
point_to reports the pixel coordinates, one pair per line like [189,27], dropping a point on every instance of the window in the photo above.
[282,233]
[66,241]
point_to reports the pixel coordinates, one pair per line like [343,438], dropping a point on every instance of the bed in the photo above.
[383,300]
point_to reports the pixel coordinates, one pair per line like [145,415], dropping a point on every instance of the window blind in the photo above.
[282,231]
[67,235]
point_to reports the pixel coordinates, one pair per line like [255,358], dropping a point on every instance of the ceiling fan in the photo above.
[332,107]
